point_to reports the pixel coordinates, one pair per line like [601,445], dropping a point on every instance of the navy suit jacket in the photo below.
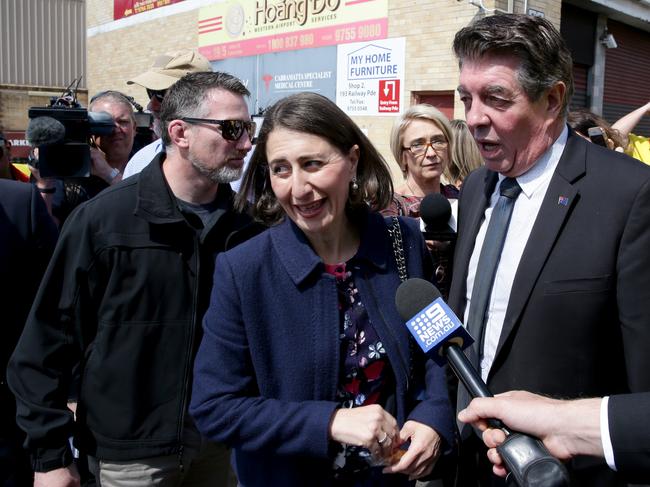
[577,322]
[268,367]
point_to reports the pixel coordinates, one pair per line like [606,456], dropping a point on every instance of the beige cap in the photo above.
[168,68]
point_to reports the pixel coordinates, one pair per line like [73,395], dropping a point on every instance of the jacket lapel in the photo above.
[469,223]
[561,197]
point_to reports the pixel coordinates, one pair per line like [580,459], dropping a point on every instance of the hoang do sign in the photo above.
[247,28]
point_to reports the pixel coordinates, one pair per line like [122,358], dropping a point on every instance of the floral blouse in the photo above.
[402,205]
[365,372]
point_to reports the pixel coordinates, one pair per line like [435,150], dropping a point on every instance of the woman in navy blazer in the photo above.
[305,366]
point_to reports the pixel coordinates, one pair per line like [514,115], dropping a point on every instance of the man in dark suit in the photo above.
[615,427]
[27,239]
[552,268]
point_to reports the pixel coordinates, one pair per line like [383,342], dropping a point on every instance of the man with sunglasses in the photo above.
[165,71]
[124,296]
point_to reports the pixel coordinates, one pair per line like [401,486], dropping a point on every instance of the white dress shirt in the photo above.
[608,448]
[534,184]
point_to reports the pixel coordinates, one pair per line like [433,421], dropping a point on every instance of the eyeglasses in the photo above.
[419,148]
[157,94]
[230,129]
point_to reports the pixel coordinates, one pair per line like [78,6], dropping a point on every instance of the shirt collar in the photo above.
[300,260]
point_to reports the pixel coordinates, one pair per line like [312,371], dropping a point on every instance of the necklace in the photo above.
[424,193]
[410,189]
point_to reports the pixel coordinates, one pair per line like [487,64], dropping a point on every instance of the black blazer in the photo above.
[578,319]
[27,238]
[629,429]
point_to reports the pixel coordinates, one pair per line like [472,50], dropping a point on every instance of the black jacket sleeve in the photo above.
[39,370]
[629,429]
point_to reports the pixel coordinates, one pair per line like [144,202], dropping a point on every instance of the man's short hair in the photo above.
[187,96]
[544,56]
[113,96]
[168,68]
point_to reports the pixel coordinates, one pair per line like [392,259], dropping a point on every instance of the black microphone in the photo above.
[435,211]
[44,131]
[441,335]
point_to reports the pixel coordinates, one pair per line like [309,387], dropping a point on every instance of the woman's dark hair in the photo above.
[313,114]
[581,120]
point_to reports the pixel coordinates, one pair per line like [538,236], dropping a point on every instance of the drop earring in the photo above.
[354,186]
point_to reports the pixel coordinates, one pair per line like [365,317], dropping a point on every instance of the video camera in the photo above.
[62,132]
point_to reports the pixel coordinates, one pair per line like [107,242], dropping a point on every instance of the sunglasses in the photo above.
[230,129]
[157,94]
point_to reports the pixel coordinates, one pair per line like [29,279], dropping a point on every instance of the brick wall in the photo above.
[117,55]
[15,101]
[428,25]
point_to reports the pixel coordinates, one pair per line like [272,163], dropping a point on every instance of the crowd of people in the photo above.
[170,331]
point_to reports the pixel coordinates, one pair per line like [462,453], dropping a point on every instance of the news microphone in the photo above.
[44,131]
[435,211]
[438,331]
[441,335]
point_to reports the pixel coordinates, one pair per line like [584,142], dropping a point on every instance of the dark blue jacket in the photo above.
[267,369]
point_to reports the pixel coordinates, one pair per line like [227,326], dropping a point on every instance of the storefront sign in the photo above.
[369,77]
[19,145]
[126,8]
[236,29]
[273,76]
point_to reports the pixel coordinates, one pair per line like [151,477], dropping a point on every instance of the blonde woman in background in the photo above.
[421,142]
[465,156]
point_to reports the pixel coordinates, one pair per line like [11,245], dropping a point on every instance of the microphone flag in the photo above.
[437,325]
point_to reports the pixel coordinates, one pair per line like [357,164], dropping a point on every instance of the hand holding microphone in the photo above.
[566,427]
[442,336]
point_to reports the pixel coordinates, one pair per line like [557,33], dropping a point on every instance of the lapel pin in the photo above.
[563,200]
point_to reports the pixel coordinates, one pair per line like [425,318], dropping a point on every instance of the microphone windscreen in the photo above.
[44,131]
[435,211]
[429,319]
[413,295]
